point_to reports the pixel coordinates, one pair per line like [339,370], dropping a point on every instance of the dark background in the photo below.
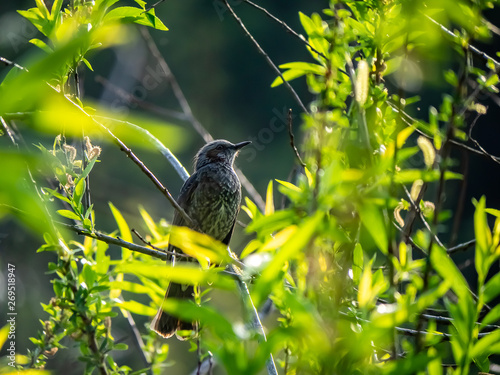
[227,84]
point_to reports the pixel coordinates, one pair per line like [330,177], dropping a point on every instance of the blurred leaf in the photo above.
[269,200]
[136,15]
[150,224]
[198,245]
[490,344]
[4,333]
[297,243]
[279,239]
[181,274]
[129,287]
[207,316]
[492,288]
[447,269]
[374,222]
[137,308]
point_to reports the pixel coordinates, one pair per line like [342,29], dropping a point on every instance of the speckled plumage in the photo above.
[211,197]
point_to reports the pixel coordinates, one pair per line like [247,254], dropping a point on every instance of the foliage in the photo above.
[353,261]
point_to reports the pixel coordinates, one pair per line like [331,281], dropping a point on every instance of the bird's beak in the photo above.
[239,146]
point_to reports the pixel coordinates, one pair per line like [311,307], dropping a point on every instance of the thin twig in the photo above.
[266,57]
[9,131]
[461,247]
[287,28]
[154,5]
[207,137]
[410,121]
[494,158]
[176,254]
[292,139]
[422,218]
[129,98]
[11,63]
[163,255]
[457,220]
[470,47]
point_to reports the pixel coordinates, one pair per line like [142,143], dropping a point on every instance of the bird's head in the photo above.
[219,151]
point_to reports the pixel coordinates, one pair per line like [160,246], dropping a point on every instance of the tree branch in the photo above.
[266,57]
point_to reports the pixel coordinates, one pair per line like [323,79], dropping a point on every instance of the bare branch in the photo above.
[266,57]
[292,142]
[287,28]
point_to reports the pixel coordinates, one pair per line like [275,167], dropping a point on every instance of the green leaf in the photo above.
[42,45]
[207,316]
[289,250]
[4,333]
[78,192]
[481,230]
[492,316]
[151,225]
[492,288]
[69,214]
[447,269]
[136,15]
[129,287]
[296,70]
[199,245]
[181,274]
[87,63]
[373,220]
[137,308]
[57,195]
[120,346]
[125,233]
[490,344]
[269,210]
[358,262]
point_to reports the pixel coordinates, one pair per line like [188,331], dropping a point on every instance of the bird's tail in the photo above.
[165,324]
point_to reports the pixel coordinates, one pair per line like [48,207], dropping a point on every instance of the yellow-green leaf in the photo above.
[269,199]
[137,308]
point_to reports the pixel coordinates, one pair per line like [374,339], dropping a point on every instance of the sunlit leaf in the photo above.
[137,308]
[181,274]
[269,199]
[373,220]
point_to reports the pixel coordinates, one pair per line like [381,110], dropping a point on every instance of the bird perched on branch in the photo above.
[211,198]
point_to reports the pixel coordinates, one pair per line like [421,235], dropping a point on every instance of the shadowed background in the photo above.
[227,84]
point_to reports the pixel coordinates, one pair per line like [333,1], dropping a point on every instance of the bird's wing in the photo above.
[185,199]
[226,240]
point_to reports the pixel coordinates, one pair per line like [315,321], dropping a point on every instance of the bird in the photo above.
[211,197]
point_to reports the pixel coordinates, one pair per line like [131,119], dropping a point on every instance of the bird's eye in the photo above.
[219,147]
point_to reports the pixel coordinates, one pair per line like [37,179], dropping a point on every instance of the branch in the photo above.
[292,142]
[486,153]
[410,121]
[419,211]
[287,28]
[176,164]
[469,47]
[163,255]
[266,57]
[11,63]
[129,98]
[461,247]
